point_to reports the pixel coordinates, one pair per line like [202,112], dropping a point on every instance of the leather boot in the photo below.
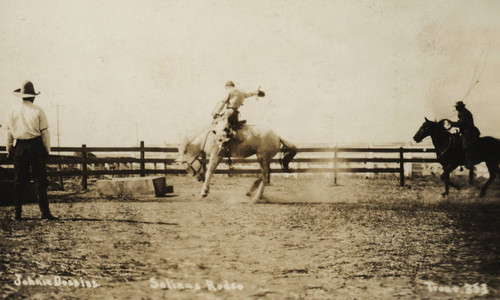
[18,213]
[48,216]
[43,202]
[18,204]
[469,161]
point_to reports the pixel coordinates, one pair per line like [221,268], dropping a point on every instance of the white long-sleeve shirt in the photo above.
[234,99]
[27,121]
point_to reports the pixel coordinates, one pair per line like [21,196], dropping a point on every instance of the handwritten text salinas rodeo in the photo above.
[208,284]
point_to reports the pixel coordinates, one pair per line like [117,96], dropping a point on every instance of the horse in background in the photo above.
[249,140]
[451,155]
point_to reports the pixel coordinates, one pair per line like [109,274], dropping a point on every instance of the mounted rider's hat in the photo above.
[459,104]
[229,84]
[26,91]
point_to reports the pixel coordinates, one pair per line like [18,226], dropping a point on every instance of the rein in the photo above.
[447,148]
[450,139]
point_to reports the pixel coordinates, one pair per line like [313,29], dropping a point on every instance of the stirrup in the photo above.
[224,151]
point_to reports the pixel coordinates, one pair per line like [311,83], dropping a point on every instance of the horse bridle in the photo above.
[447,148]
[202,160]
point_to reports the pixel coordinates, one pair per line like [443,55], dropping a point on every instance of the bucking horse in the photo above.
[250,140]
[451,155]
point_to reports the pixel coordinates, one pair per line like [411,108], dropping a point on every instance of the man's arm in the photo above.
[258,93]
[251,94]
[46,139]
[10,141]
[220,106]
[44,130]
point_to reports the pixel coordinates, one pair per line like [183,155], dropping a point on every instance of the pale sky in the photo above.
[334,72]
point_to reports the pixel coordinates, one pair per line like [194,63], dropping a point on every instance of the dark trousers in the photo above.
[30,154]
[234,118]
[470,143]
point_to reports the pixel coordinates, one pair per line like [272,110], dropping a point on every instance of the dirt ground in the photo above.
[360,239]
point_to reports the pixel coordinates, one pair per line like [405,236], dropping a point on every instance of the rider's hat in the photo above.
[229,83]
[26,91]
[459,104]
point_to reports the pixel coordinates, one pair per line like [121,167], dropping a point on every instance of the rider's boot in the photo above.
[469,161]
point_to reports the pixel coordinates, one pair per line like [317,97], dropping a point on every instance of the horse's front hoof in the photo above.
[202,195]
[444,194]
[482,194]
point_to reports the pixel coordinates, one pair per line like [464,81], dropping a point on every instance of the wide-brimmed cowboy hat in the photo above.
[459,104]
[27,90]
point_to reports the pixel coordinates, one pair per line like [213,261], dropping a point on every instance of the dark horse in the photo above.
[450,153]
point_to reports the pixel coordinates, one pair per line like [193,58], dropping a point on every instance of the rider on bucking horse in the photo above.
[227,112]
[470,134]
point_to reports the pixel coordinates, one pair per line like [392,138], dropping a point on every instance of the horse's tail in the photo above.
[288,150]
[490,148]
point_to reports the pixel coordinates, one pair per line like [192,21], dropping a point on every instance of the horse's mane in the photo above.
[189,139]
[441,124]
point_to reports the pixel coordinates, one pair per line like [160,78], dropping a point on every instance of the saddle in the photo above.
[239,125]
[234,132]
[476,151]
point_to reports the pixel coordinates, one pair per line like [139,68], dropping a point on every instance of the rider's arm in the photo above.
[220,106]
[459,122]
[251,94]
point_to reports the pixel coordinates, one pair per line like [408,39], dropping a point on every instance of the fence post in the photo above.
[335,170]
[84,167]
[59,168]
[401,167]
[143,163]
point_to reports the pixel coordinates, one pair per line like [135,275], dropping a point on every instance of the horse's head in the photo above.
[425,130]
[193,157]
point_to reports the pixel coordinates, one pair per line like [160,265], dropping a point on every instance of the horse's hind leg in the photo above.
[254,186]
[471,176]
[268,173]
[260,189]
[263,178]
[493,170]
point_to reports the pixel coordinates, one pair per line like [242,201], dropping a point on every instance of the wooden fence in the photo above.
[329,159]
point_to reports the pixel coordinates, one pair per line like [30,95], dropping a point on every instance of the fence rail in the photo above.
[83,157]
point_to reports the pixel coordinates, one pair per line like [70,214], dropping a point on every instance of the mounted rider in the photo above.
[226,112]
[470,134]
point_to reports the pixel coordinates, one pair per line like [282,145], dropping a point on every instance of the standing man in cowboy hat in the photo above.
[470,134]
[28,128]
